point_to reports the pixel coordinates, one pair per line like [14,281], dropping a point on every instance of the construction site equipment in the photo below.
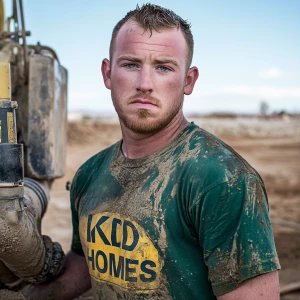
[39,85]
[32,150]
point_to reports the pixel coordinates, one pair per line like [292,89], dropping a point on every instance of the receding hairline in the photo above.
[152,17]
[145,31]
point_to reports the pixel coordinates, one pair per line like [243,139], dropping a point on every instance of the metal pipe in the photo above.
[24,41]
[1,16]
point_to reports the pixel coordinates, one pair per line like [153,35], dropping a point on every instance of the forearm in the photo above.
[20,235]
[264,287]
[72,283]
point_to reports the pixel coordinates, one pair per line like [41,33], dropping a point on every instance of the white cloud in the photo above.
[267,92]
[271,73]
[243,99]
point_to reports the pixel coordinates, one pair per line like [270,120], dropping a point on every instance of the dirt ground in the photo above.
[271,146]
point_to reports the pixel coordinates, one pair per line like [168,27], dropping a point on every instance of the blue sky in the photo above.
[246,51]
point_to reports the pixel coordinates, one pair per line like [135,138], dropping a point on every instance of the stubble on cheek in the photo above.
[144,122]
[141,120]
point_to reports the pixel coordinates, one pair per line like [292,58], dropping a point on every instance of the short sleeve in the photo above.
[76,246]
[234,230]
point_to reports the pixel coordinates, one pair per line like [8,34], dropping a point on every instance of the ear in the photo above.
[191,78]
[105,68]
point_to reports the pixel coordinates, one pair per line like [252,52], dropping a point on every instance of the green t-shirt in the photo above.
[190,221]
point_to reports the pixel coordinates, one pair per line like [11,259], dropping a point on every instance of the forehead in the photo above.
[132,38]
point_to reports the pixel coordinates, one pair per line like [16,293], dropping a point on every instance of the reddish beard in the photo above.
[145,121]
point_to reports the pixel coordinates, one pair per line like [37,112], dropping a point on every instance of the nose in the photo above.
[145,80]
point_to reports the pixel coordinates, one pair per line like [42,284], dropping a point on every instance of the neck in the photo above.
[137,145]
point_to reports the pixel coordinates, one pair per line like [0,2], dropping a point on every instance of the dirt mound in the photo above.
[89,131]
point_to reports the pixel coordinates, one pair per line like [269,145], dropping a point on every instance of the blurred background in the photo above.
[247,51]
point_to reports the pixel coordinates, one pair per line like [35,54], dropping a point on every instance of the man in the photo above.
[170,211]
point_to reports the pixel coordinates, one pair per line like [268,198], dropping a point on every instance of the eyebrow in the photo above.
[129,58]
[166,61]
[157,61]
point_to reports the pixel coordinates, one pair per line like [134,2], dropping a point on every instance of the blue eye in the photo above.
[164,69]
[130,66]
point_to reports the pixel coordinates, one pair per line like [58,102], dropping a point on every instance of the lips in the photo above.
[144,101]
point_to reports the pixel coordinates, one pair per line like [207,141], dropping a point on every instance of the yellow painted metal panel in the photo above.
[11,128]
[1,16]
[5,85]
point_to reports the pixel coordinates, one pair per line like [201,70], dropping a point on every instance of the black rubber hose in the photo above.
[39,190]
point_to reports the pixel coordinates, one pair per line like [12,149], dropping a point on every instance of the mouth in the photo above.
[143,102]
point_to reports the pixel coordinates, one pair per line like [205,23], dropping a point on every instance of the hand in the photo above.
[72,283]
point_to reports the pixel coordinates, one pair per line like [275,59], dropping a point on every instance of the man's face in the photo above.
[147,77]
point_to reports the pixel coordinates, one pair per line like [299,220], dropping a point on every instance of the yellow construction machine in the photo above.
[33,127]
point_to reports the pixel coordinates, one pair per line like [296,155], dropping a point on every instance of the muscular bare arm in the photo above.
[264,287]
[72,283]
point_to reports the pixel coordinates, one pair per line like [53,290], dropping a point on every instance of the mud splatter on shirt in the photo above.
[173,225]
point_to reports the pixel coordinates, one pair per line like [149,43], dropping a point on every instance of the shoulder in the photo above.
[213,160]
[87,170]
